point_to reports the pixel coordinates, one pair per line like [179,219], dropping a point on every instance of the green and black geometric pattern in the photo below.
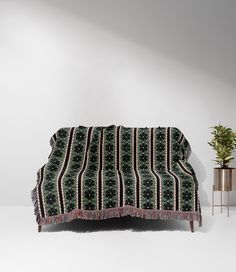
[97,168]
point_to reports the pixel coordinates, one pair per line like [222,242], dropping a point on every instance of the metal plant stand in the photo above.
[221,205]
[224,181]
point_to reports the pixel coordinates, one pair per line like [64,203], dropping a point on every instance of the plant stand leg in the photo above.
[39,228]
[221,201]
[191,226]
[228,203]
[212,200]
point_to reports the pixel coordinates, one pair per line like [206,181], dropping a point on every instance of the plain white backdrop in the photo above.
[101,62]
[135,63]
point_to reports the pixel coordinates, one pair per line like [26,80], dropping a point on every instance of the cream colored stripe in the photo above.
[118,179]
[137,167]
[150,166]
[98,169]
[175,176]
[133,170]
[102,172]
[41,186]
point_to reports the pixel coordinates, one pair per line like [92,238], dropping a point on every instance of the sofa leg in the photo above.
[191,226]
[39,228]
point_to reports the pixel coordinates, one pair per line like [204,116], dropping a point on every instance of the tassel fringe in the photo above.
[118,212]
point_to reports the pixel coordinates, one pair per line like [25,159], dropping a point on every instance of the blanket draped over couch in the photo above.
[114,171]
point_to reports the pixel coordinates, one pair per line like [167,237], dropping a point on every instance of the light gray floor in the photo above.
[122,244]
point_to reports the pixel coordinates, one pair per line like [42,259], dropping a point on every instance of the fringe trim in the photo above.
[119,212]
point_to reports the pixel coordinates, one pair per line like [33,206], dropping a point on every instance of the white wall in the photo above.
[136,63]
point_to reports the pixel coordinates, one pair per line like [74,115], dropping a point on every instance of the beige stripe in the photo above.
[116,156]
[102,172]
[174,191]
[122,180]
[99,163]
[150,168]
[98,189]
[119,181]
[140,180]
[135,183]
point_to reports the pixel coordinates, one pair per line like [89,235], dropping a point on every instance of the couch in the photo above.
[96,173]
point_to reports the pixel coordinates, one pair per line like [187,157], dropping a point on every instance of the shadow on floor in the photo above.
[124,223]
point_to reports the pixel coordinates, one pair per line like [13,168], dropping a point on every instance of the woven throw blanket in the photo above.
[104,172]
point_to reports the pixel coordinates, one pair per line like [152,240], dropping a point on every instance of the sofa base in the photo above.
[39,228]
[191,226]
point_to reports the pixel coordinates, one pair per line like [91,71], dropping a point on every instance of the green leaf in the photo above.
[223,143]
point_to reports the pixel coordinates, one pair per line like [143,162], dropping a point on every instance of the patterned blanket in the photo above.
[104,172]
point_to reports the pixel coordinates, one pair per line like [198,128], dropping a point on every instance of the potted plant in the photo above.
[223,143]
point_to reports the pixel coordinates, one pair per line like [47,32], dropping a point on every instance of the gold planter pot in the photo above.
[223,179]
